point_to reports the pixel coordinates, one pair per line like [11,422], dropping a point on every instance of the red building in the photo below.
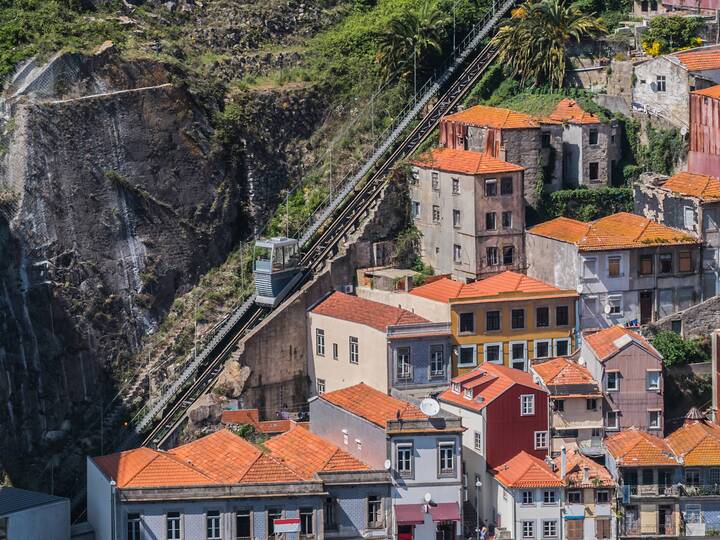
[704,153]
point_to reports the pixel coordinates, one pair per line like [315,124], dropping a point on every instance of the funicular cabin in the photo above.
[276,269]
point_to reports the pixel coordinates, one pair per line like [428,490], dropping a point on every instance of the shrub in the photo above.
[667,34]
[676,350]
[585,204]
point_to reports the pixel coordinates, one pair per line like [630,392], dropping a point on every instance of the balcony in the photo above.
[705,490]
[651,490]
[634,529]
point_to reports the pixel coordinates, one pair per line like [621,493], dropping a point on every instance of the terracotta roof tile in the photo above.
[568,110]
[618,231]
[576,463]
[695,185]
[635,448]
[697,442]
[376,407]
[713,92]
[252,417]
[526,471]
[605,344]
[488,382]
[494,117]
[445,290]
[700,59]
[464,162]
[563,371]
[367,312]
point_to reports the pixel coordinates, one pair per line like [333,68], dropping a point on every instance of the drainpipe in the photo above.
[578,338]
[113,524]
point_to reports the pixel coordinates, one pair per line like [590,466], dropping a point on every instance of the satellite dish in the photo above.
[387,464]
[683,131]
[581,361]
[579,288]
[429,407]
[607,309]
[427,497]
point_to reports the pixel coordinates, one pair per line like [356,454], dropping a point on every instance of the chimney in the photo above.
[563,462]
[586,474]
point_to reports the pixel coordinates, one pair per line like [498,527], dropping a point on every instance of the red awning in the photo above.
[445,512]
[409,514]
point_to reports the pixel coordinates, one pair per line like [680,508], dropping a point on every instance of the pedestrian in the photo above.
[483,533]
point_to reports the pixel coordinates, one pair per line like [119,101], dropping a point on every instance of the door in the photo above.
[646,307]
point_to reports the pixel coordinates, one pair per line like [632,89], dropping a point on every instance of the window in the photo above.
[602,496]
[490,221]
[457,257]
[508,255]
[306,521]
[542,348]
[562,316]
[466,356]
[574,496]
[611,420]
[714,476]
[527,405]
[467,322]
[507,220]
[562,347]
[133,526]
[456,186]
[242,525]
[591,404]
[492,256]
[594,170]
[660,83]
[455,387]
[528,529]
[666,263]
[330,514]
[172,523]
[602,528]
[589,268]
[593,137]
[506,185]
[612,381]
[492,320]
[446,459]
[692,477]
[335,351]
[404,459]
[320,342]
[518,354]
[436,213]
[456,218]
[403,369]
[653,380]
[415,177]
[693,513]
[478,441]
[545,139]
[614,267]
[416,209]
[550,529]
[646,265]
[490,188]
[354,350]
[689,218]
[493,353]
[559,405]
[542,317]
[437,361]
[528,497]
[574,528]
[272,515]
[615,303]
[685,261]
[435,181]
[654,422]
[374,511]
[549,496]
[541,441]
[517,318]
[212,525]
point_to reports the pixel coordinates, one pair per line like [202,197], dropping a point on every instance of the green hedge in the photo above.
[585,204]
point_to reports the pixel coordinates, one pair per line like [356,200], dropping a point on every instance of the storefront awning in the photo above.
[445,512]
[409,514]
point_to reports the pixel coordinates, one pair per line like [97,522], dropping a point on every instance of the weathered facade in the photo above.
[469,208]
[704,151]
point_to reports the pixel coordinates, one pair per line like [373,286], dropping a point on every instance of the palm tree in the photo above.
[533,45]
[409,37]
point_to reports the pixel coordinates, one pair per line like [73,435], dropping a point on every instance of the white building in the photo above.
[31,515]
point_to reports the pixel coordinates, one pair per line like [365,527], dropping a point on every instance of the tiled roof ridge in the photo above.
[705,435]
[160,454]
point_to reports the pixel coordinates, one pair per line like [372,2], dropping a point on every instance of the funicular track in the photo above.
[321,240]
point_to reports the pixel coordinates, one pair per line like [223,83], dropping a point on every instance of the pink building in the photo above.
[704,153]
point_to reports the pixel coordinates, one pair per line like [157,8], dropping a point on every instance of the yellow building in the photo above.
[507,319]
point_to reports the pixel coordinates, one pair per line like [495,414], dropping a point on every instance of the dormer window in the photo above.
[456,388]
[468,393]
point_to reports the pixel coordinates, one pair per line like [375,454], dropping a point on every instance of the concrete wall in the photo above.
[672,104]
[420,382]
[428,309]
[560,269]
[538,512]
[99,503]
[697,321]
[46,522]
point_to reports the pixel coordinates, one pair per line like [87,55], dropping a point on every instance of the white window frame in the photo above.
[661,79]
[219,524]
[474,356]
[585,273]
[435,213]
[336,352]
[693,513]
[468,393]
[689,211]
[531,532]
[490,181]
[320,386]
[457,253]
[616,425]
[656,373]
[550,494]
[437,353]
[320,342]
[411,465]
[443,448]
[455,185]
[616,301]
[477,441]
[549,343]
[541,440]
[176,518]
[501,357]
[616,386]
[402,374]
[530,499]
[136,518]
[435,180]
[524,358]
[416,209]
[561,340]
[553,533]
[530,410]
[354,352]
[455,387]
[658,414]
[457,219]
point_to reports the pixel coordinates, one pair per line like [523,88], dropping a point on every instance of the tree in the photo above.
[533,45]
[403,46]
[667,34]
[676,350]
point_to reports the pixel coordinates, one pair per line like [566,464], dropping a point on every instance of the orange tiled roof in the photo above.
[695,185]
[373,405]
[488,382]
[362,311]
[576,463]
[252,417]
[604,342]
[712,91]
[700,59]
[526,471]
[464,162]
[568,110]
[635,448]
[445,289]
[697,442]
[618,231]
[563,371]
[494,117]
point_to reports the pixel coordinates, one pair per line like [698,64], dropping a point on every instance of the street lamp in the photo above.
[478,485]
